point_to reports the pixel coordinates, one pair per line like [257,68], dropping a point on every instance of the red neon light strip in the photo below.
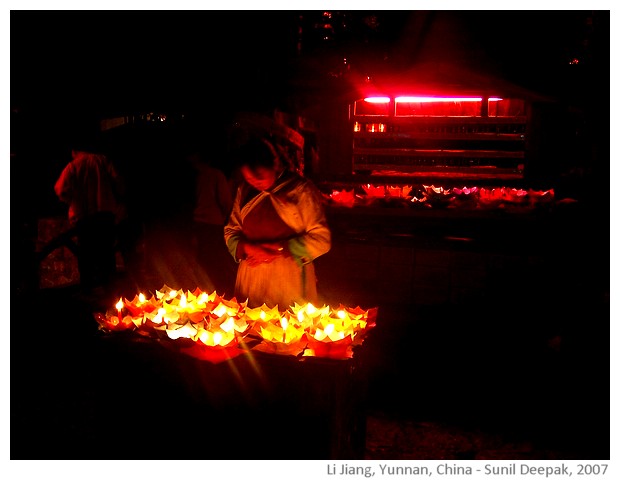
[428,99]
[377,99]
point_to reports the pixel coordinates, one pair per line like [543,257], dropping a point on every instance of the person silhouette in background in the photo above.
[276,229]
[212,206]
[92,188]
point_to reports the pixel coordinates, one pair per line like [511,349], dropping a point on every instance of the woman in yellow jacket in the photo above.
[276,229]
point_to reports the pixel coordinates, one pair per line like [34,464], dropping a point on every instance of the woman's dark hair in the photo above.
[256,152]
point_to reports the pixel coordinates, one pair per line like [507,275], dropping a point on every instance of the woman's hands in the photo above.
[258,253]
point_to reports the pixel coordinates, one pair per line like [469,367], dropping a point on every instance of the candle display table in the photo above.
[163,404]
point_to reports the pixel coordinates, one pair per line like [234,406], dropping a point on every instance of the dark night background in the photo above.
[77,67]
[70,69]
[110,62]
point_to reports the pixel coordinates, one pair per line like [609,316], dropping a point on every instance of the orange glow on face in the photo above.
[261,178]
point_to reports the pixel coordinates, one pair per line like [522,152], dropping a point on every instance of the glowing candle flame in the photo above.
[160,316]
[204,337]
[220,310]
[228,325]
[289,329]
[284,323]
[119,307]
[172,316]
[186,331]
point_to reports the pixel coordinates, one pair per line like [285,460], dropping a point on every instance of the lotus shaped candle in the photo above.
[260,317]
[262,314]
[330,342]
[344,197]
[113,323]
[139,305]
[153,322]
[308,315]
[213,344]
[217,338]
[210,327]
[283,337]
[540,196]
[373,191]
[176,331]
[394,191]
[338,331]
[399,191]
[228,316]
